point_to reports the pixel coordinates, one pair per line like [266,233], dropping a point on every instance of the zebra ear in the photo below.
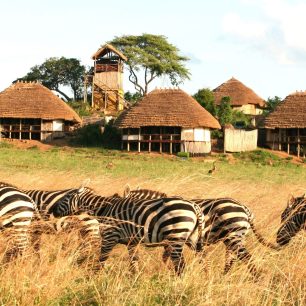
[83,185]
[290,201]
[127,190]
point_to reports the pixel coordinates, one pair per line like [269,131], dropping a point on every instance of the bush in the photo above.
[183,154]
[92,136]
[258,156]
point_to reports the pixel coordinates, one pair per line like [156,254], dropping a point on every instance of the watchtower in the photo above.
[107,79]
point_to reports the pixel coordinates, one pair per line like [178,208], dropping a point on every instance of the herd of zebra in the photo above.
[141,216]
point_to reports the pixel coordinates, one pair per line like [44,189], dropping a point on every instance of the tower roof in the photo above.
[106,49]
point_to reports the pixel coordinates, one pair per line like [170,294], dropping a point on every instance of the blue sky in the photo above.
[262,43]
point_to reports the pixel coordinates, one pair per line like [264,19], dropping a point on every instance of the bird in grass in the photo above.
[213,169]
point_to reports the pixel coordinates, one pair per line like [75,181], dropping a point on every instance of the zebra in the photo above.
[226,220]
[169,222]
[293,220]
[16,213]
[87,226]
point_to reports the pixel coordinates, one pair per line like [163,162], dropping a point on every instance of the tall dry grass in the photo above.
[52,278]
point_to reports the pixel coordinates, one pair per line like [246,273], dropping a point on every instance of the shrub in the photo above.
[92,136]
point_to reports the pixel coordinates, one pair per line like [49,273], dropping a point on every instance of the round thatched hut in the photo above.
[32,111]
[167,120]
[286,126]
[242,97]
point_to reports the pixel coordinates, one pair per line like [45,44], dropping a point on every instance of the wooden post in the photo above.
[299,144]
[128,142]
[150,138]
[10,133]
[160,144]
[171,144]
[19,129]
[30,132]
[288,145]
[279,140]
[139,140]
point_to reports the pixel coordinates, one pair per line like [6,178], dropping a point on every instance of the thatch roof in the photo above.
[290,113]
[107,48]
[239,93]
[167,107]
[33,100]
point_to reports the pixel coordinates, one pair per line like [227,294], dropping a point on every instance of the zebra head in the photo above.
[290,220]
[70,203]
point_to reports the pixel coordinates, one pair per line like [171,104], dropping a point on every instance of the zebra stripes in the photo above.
[45,200]
[87,226]
[16,212]
[293,219]
[171,222]
[226,220]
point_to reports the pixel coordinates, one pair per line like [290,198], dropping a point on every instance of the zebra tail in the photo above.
[261,239]
[200,217]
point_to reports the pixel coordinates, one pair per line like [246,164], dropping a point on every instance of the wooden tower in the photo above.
[107,79]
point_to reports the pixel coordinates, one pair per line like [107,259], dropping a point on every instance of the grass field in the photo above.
[262,181]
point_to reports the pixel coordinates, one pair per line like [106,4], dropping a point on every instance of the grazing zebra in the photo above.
[226,220]
[293,219]
[88,226]
[170,222]
[16,213]
[46,199]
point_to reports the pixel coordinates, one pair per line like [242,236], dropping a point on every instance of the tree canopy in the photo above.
[57,72]
[207,100]
[152,56]
[272,103]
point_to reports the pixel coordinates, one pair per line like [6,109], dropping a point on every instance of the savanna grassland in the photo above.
[262,181]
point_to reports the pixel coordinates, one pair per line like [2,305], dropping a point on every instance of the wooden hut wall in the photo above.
[196,140]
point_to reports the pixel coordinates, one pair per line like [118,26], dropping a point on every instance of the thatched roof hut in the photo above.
[290,113]
[286,126]
[241,96]
[103,50]
[168,120]
[167,107]
[33,100]
[32,111]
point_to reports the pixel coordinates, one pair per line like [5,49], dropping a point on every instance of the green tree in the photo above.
[225,112]
[207,100]
[132,97]
[272,103]
[149,57]
[55,73]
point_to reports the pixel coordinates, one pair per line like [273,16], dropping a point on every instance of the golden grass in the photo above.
[53,279]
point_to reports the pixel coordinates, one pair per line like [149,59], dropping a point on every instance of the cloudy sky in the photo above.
[262,43]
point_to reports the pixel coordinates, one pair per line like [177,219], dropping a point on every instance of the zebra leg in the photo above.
[134,258]
[18,243]
[166,253]
[229,259]
[237,247]
[177,258]
[110,239]
[204,261]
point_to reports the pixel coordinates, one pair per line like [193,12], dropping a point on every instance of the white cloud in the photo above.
[278,29]
[235,25]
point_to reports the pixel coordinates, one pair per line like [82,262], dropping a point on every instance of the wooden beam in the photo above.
[171,144]
[139,140]
[150,137]
[299,144]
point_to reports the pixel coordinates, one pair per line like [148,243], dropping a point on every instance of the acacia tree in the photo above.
[153,56]
[56,72]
